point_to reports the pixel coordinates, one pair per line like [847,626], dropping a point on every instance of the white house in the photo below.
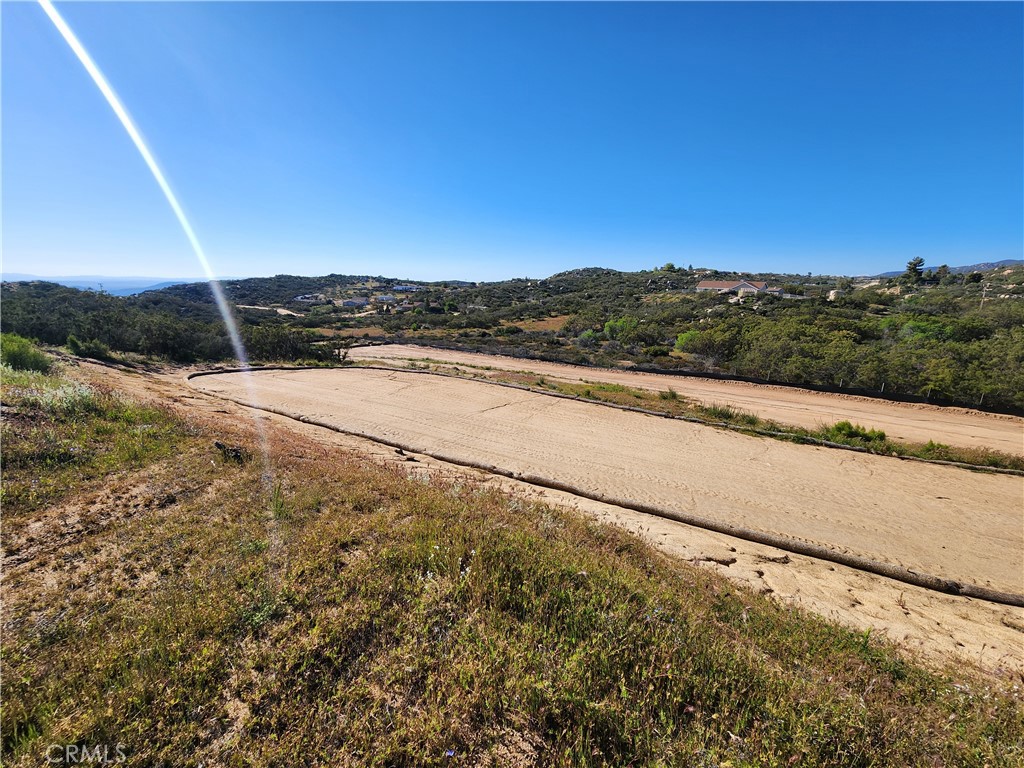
[739,287]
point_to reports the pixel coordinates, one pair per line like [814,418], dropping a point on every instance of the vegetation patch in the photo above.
[58,433]
[20,354]
[93,348]
[926,334]
[853,434]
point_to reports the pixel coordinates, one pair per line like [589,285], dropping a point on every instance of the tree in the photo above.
[914,271]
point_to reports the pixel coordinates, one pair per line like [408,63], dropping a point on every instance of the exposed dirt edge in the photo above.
[897,573]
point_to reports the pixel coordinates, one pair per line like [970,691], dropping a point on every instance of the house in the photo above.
[355,301]
[739,287]
[385,299]
[406,288]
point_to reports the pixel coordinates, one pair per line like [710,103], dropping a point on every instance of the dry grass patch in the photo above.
[544,323]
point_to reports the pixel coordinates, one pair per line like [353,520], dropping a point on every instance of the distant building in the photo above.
[406,288]
[739,287]
[355,301]
[311,297]
[385,299]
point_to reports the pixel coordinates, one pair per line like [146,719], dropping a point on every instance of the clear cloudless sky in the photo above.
[491,140]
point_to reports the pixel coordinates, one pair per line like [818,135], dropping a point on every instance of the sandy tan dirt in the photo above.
[910,422]
[949,522]
[934,628]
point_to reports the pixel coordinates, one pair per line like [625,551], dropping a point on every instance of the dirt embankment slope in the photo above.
[949,522]
[911,422]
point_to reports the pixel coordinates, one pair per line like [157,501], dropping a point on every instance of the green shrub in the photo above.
[22,355]
[94,349]
[844,431]
[683,340]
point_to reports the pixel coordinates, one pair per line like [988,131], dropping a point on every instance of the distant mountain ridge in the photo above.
[115,286]
[983,266]
[130,286]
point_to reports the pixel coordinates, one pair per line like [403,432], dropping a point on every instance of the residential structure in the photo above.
[739,287]
[355,301]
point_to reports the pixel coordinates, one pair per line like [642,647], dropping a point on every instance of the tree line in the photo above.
[934,335]
[175,329]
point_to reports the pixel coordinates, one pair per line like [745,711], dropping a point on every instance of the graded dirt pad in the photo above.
[948,522]
[933,627]
[910,422]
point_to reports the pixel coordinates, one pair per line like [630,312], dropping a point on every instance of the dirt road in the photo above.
[909,422]
[949,522]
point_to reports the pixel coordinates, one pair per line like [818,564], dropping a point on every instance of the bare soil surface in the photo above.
[932,627]
[910,422]
[944,521]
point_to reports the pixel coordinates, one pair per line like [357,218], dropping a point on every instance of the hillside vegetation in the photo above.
[322,610]
[936,335]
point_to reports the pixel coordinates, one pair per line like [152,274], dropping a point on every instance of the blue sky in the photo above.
[492,140]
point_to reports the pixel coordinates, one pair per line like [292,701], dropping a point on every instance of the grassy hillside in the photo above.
[325,610]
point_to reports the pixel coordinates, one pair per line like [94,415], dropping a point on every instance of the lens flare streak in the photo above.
[140,144]
[136,137]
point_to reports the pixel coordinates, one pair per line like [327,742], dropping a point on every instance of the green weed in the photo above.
[61,433]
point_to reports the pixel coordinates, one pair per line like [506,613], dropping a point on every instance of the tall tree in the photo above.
[914,271]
